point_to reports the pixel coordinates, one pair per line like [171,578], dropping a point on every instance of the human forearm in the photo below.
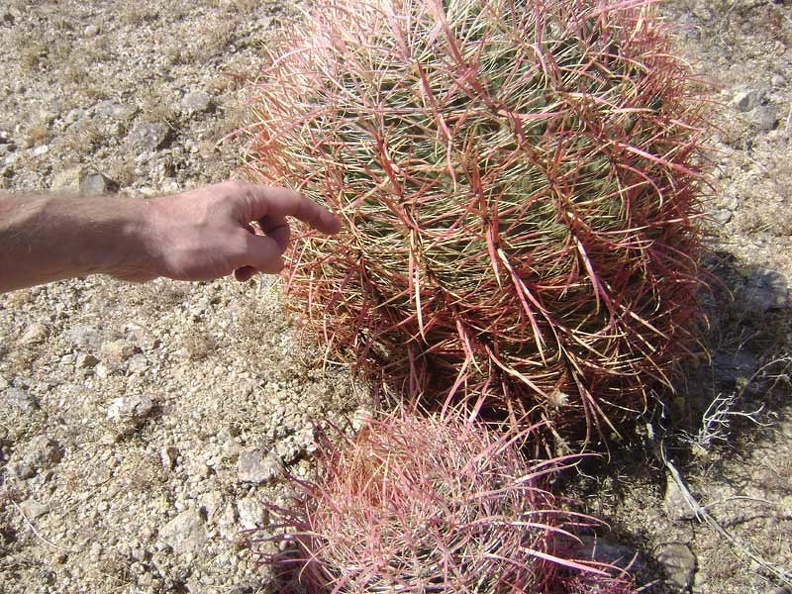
[199,235]
[46,238]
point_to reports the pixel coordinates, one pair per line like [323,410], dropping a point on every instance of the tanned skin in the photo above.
[200,235]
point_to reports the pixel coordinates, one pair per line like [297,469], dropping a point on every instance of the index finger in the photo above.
[276,202]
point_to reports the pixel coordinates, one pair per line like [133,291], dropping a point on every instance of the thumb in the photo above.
[264,254]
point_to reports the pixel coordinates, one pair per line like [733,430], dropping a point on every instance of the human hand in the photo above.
[210,232]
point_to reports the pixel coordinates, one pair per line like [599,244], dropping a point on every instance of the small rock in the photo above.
[93,183]
[251,513]
[211,504]
[688,27]
[149,136]
[116,111]
[130,410]
[678,562]
[67,180]
[729,367]
[675,503]
[747,99]
[40,454]
[138,364]
[197,102]
[765,117]
[765,290]
[169,456]
[33,509]
[185,533]
[73,116]
[40,151]
[34,334]
[721,216]
[117,352]
[777,81]
[86,361]
[20,400]
[84,336]
[95,551]
[606,551]
[102,371]
[258,466]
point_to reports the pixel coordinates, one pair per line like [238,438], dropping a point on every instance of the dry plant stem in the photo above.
[33,528]
[743,551]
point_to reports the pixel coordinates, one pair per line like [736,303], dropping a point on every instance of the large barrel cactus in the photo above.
[518,180]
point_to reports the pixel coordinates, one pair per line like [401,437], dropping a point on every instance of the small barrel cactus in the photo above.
[427,504]
[519,182]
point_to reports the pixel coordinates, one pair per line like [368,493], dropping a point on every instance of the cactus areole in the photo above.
[519,184]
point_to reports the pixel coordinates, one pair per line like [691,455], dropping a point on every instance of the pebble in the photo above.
[747,99]
[95,551]
[211,503]
[721,216]
[33,509]
[41,453]
[66,180]
[148,137]
[86,361]
[84,336]
[130,410]
[116,111]
[34,334]
[73,116]
[765,290]
[730,366]
[258,466]
[20,400]
[678,562]
[251,513]
[116,352]
[185,533]
[94,183]
[138,364]
[169,456]
[197,102]
[765,117]
[675,504]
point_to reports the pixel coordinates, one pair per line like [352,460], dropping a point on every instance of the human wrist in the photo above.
[126,240]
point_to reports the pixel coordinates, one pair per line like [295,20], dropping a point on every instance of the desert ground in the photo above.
[141,426]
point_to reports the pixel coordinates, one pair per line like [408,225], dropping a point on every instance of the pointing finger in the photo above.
[275,203]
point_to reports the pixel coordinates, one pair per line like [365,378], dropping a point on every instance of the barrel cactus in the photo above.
[519,182]
[427,504]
